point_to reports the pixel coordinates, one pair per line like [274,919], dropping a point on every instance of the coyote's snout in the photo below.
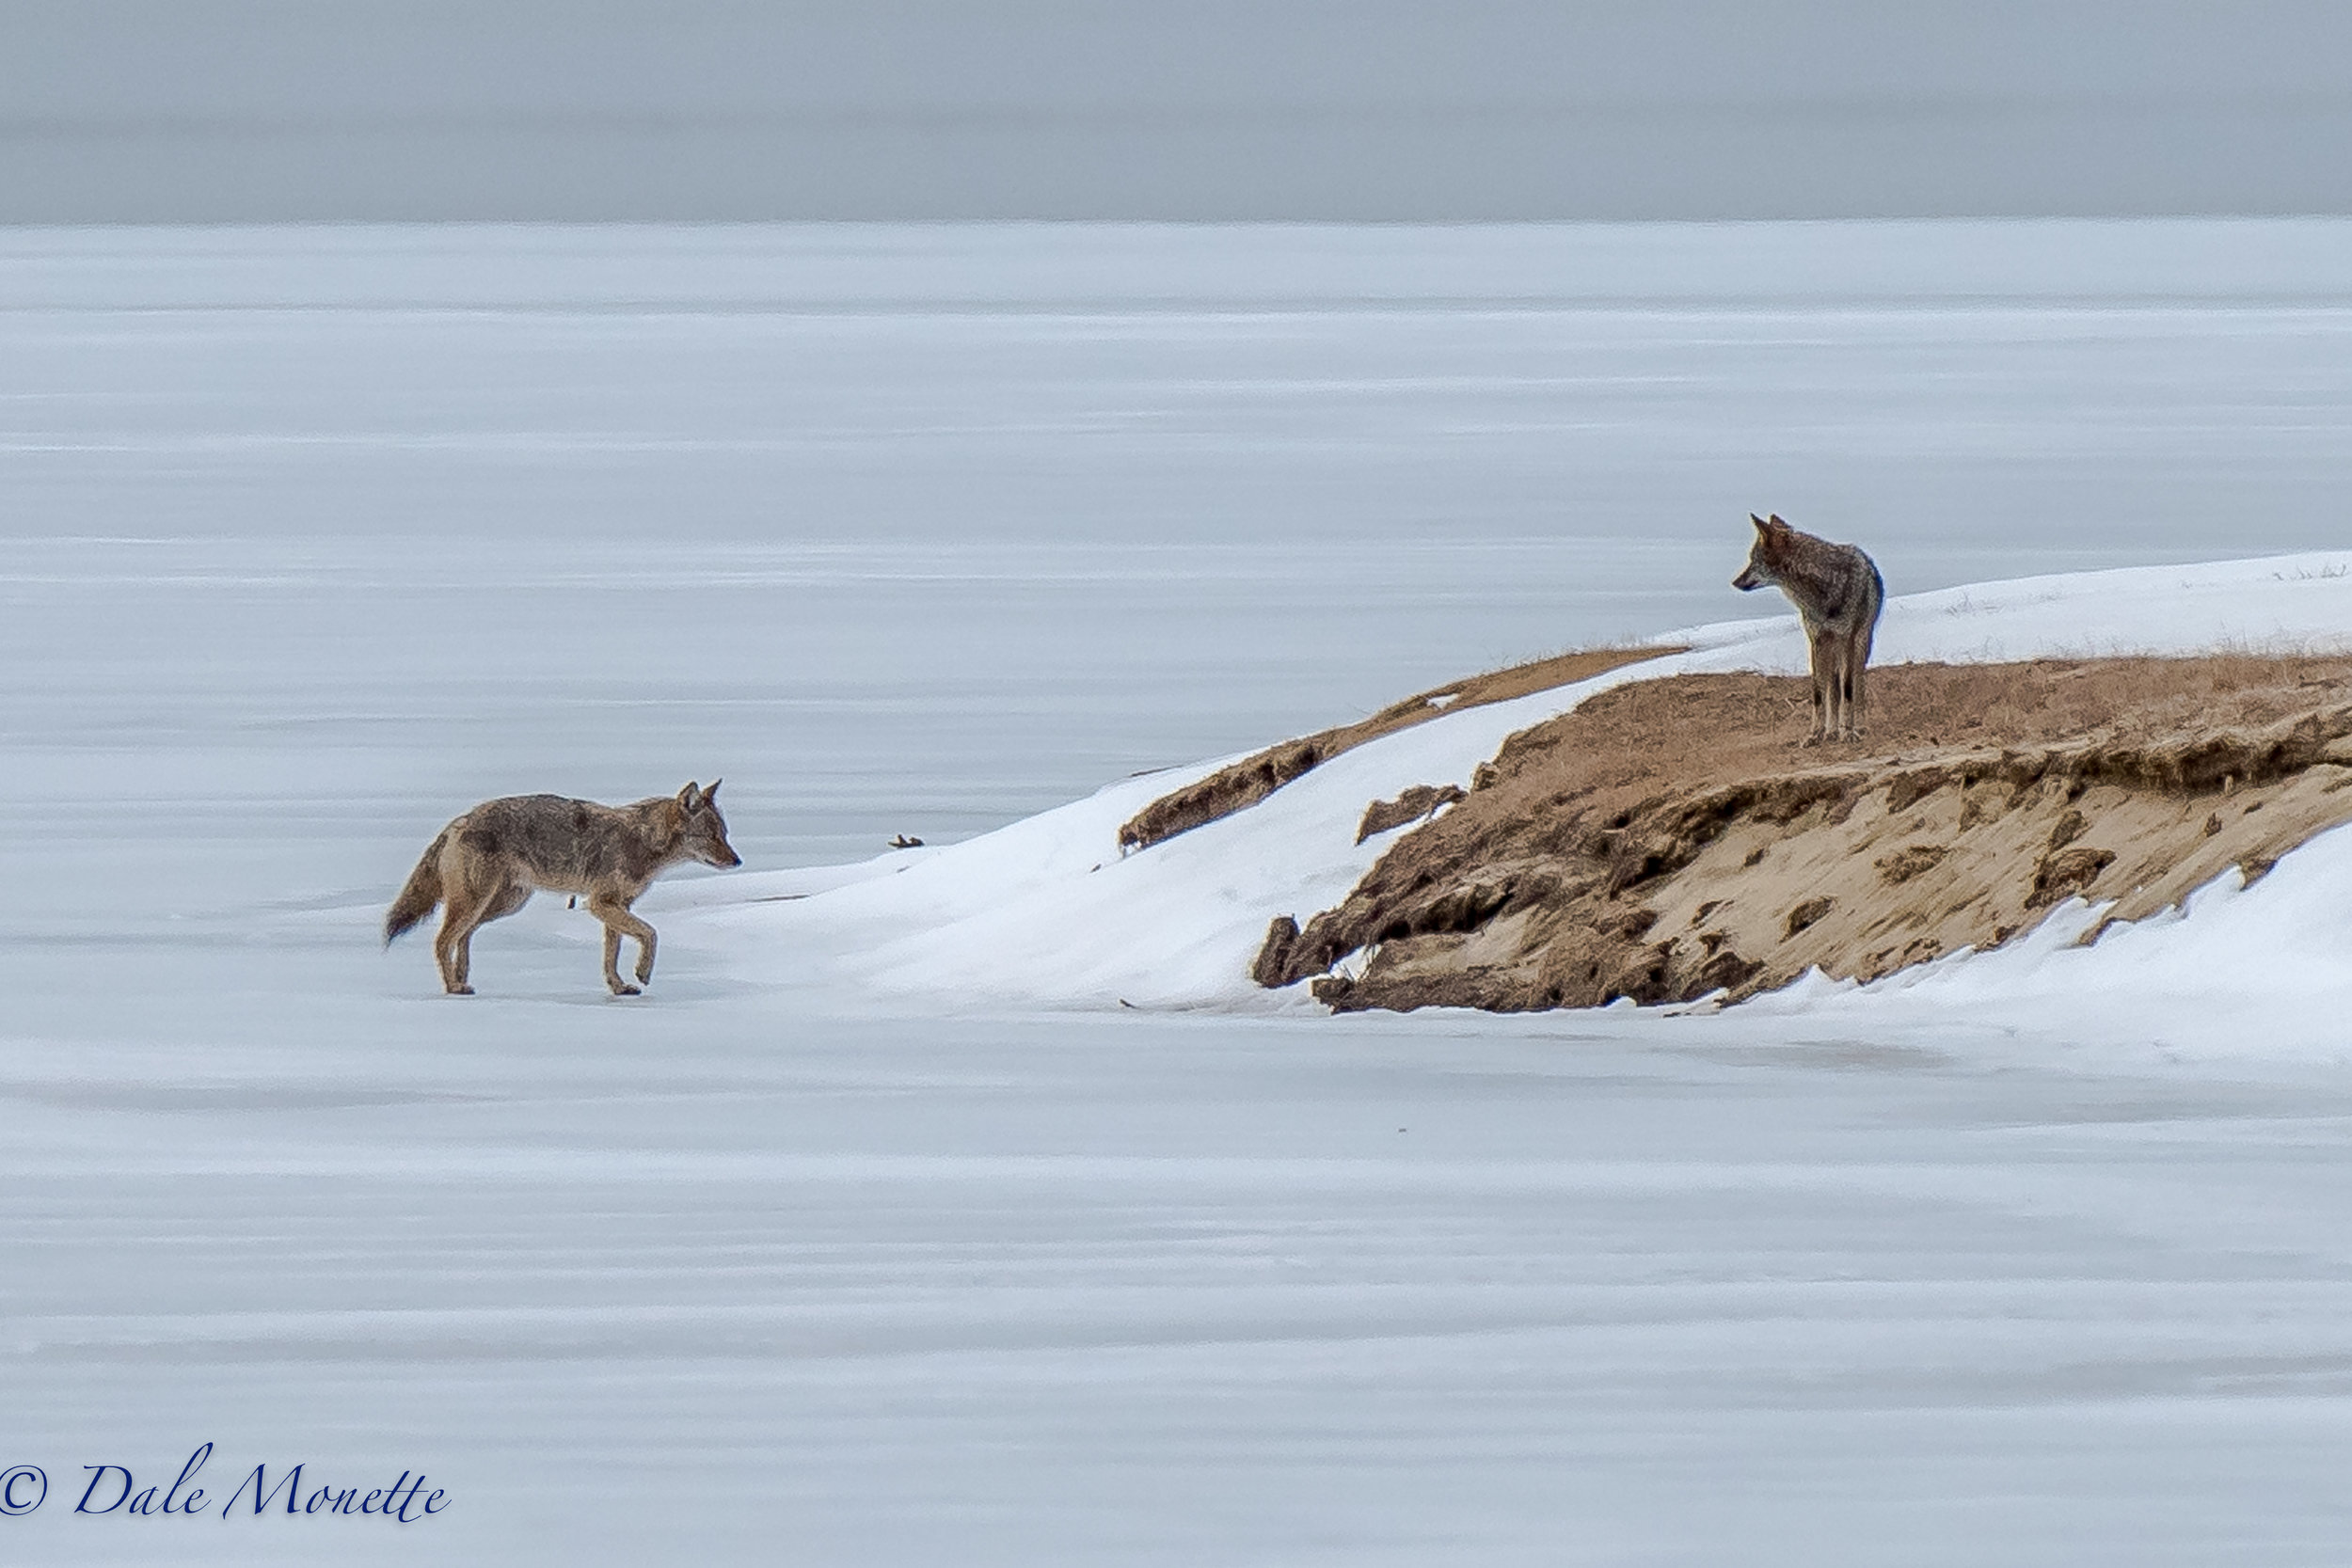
[1838,593]
[487,865]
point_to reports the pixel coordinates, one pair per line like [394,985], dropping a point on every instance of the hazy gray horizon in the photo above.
[262,110]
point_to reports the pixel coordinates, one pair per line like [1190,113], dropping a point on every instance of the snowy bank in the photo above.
[1047,913]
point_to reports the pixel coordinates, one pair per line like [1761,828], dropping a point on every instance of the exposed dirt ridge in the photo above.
[1668,840]
[1251,780]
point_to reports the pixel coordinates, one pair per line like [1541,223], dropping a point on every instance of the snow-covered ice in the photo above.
[878,1231]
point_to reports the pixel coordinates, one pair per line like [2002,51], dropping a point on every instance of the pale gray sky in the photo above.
[232,109]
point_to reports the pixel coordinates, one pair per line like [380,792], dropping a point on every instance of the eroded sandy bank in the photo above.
[1669,839]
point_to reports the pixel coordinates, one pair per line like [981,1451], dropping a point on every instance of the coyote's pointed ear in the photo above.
[1777,522]
[691,795]
[712,793]
[1761,526]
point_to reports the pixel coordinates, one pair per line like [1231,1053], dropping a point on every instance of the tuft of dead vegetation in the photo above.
[1668,839]
[1422,800]
[1246,782]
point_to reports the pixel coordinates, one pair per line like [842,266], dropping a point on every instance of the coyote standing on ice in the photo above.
[1838,593]
[486,863]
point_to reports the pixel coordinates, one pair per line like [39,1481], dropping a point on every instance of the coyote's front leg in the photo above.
[619,923]
[1824,663]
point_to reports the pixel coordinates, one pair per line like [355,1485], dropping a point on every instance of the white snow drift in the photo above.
[1046,912]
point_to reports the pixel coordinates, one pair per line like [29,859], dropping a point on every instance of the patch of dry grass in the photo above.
[2123,700]
[1253,779]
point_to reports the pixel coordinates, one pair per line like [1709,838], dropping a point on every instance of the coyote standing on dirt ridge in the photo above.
[485,864]
[1837,592]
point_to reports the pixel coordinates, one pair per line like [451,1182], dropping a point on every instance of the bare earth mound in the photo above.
[1670,839]
[1253,779]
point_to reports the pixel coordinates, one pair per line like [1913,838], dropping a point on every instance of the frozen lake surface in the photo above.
[314,538]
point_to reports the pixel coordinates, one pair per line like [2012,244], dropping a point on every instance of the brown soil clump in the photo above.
[1415,803]
[1669,839]
[1253,779]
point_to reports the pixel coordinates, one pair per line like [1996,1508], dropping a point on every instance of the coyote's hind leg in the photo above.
[515,898]
[1850,692]
[463,910]
[1858,653]
[619,923]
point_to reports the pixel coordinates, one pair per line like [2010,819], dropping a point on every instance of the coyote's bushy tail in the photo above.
[423,892]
